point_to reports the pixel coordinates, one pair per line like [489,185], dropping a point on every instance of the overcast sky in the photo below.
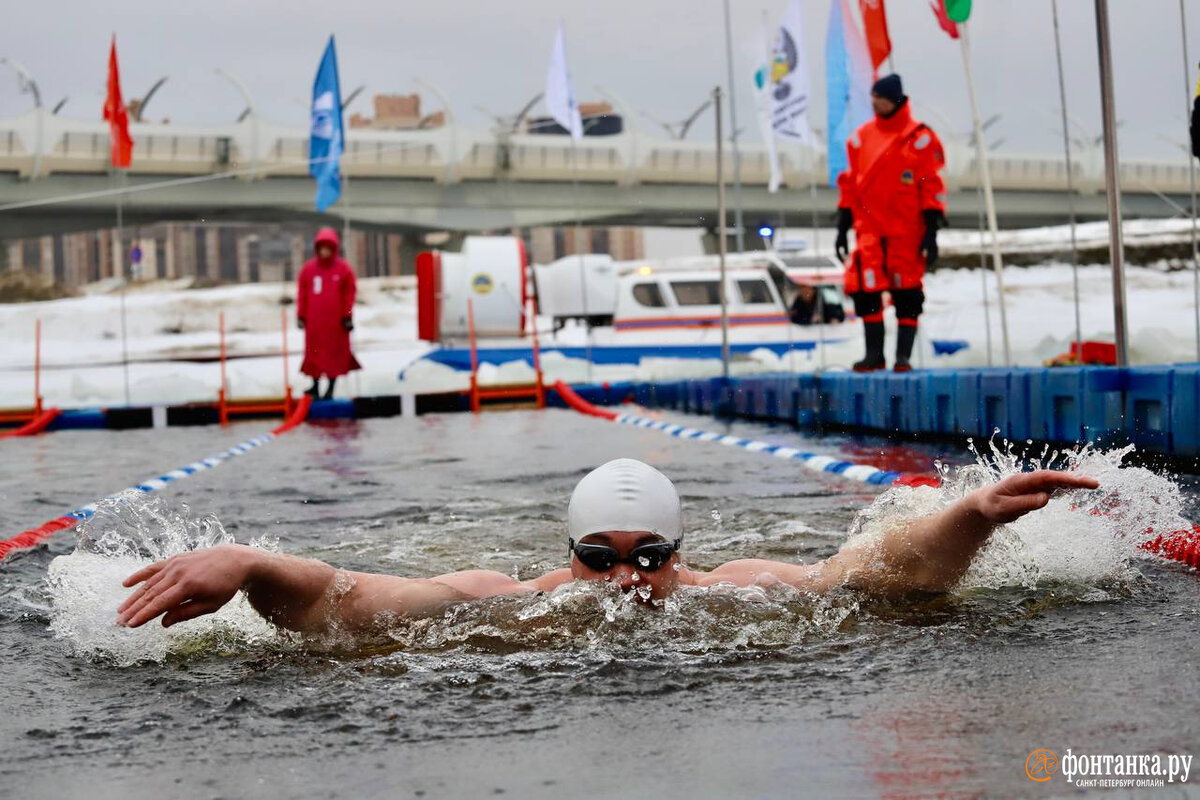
[660,56]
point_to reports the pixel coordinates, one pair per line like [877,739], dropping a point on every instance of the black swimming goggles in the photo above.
[646,557]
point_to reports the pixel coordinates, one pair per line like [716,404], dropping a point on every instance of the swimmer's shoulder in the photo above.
[551,580]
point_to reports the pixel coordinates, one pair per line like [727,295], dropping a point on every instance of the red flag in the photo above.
[944,21]
[115,114]
[875,22]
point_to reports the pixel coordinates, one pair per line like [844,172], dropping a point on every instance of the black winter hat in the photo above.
[889,88]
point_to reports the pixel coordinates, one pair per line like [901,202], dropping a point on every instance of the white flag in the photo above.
[560,97]
[788,78]
[765,105]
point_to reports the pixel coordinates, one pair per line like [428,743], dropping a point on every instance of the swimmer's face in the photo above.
[324,251]
[661,581]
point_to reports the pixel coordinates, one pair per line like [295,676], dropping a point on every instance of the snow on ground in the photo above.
[81,348]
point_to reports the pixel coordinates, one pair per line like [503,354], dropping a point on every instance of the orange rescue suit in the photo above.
[894,176]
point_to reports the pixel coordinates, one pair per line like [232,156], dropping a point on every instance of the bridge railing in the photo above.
[257,149]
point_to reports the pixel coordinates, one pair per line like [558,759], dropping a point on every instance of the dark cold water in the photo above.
[1062,636]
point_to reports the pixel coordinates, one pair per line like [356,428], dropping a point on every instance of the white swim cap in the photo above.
[625,495]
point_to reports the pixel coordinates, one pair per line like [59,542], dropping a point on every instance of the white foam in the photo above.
[85,587]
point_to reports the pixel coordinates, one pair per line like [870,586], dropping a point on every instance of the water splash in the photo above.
[1081,539]
[591,618]
[124,535]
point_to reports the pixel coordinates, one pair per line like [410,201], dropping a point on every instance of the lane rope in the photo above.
[35,536]
[863,473]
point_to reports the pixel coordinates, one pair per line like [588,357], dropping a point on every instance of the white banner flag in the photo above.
[788,74]
[765,105]
[560,96]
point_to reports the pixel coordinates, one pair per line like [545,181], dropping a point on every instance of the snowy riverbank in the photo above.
[170,327]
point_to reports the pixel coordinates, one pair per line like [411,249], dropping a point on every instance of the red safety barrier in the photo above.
[299,414]
[913,479]
[1182,546]
[35,536]
[579,404]
[35,425]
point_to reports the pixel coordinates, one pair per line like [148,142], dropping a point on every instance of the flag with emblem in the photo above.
[787,78]
[325,140]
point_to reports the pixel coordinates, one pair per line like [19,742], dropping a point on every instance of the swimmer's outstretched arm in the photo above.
[298,593]
[929,554]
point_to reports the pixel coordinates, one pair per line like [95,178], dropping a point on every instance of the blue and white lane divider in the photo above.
[35,536]
[813,461]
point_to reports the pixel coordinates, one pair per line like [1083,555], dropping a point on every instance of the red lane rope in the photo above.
[35,536]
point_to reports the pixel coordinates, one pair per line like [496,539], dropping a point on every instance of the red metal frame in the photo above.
[27,416]
[508,392]
[227,408]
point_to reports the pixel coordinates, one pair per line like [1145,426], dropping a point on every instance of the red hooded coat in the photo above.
[894,176]
[325,297]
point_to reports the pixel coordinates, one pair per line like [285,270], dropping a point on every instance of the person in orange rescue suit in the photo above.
[893,195]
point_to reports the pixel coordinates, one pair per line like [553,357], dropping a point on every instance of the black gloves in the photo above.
[300,323]
[348,323]
[844,220]
[929,245]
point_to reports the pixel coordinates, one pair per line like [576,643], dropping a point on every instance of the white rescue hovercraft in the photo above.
[620,312]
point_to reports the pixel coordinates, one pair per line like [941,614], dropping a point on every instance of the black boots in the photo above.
[874,359]
[315,390]
[905,336]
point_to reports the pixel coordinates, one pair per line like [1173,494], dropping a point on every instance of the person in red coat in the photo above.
[325,311]
[894,197]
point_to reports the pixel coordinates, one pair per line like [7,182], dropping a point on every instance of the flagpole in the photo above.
[1062,98]
[989,200]
[124,279]
[739,233]
[721,245]
[1112,184]
[1187,93]
[812,194]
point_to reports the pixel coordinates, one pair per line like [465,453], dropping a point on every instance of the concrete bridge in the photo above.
[55,177]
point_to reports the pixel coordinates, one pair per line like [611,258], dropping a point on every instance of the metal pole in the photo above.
[989,200]
[987,311]
[721,236]
[124,280]
[1062,97]
[1187,93]
[812,196]
[1113,184]
[733,124]
[587,324]
[345,215]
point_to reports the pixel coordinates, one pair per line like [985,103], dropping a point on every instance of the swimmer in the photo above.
[624,526]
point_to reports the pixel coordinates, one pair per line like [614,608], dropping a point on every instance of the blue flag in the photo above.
[848,84]
[325,141]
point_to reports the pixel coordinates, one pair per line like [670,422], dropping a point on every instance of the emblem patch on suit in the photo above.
[906,177]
